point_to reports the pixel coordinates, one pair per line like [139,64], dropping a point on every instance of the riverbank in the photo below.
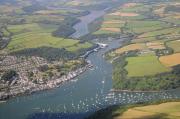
[2,102]
[134,91]
[96,49]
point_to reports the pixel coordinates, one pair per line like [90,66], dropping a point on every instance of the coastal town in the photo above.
[30,77]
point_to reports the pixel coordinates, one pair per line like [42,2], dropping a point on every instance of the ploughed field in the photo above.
[170,60]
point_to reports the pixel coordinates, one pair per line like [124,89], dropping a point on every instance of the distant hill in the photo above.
[7,1]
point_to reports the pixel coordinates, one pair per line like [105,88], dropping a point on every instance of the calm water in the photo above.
[82,27]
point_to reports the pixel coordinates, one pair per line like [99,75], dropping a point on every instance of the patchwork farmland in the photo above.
[153,49]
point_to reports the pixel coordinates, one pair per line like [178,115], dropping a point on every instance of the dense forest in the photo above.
[66,28]
[47,53]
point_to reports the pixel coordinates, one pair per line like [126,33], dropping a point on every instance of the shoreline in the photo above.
[2,101]
[135,91]
[139,91]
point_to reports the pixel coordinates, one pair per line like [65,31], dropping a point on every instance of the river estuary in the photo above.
[78,98]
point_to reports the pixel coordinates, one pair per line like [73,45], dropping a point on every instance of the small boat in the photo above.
[36,108]
[92,69]
[2,102]
[95,50]
[74,80]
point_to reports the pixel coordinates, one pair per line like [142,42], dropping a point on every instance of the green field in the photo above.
[145,26]
[39,35]
[171,20]
[175,45]
[134,23]
[152,35]
[162,32]
[144,66]
[104,32]
[137,8]
[144,39]
[79,46]
[111,17]
[112,25]
[40,18]
[32,27]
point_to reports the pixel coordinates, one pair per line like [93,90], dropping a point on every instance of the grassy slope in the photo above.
[155,110]
[145,25]
[175,45]
[35,35]
[168,110]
